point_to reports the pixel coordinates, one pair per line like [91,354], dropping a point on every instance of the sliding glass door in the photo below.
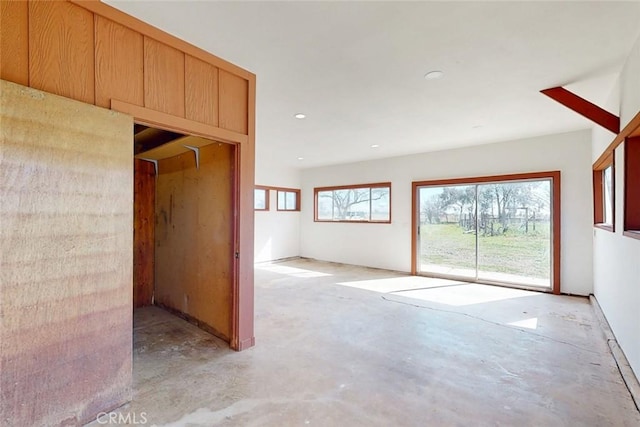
[494,231]
[447,230]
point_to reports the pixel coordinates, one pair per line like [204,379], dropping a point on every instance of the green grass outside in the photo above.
[514,252]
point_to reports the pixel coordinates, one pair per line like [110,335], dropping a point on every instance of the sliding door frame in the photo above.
[554,176]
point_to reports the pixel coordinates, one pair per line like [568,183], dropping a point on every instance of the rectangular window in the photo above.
[604,193]
[288,200]
[632,187]
[354,203]
[261,199]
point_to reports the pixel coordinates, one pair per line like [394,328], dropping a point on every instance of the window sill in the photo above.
[605,227]
[634,234]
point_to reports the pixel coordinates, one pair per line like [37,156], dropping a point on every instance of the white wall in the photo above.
[277,233]
[617,257]
[389,245]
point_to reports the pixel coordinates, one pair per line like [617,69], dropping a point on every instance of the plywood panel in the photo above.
[234,113]
[119,64]
[61,49]
[65,240]
[14,41]
[163,78]
[201,91]
[194,237]
[144,192]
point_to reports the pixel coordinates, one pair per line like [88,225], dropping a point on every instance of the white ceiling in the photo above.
[356,69]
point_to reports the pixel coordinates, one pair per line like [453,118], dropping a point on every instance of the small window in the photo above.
[355,203]
[261,199]
[632,187]
[288,200]
[604,193]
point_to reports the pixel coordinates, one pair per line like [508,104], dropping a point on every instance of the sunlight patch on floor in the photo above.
[291,271]
[398,284]
[441,291]
[467,294]
[526,323]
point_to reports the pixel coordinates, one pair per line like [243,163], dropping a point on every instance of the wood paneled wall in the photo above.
[14,41]
[61,50]
[119,71]
[65,267]
[194,236]
[89,51]
[67,49]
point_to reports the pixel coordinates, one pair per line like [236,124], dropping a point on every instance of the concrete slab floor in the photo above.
[339,345]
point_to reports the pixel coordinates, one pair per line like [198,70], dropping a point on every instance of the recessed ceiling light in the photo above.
[299,116]
[300,158]
[375,146]
[433,75]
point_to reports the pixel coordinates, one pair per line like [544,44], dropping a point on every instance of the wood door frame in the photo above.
[555,212]
[153,118]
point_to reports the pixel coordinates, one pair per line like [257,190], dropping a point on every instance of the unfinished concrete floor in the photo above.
[348,346]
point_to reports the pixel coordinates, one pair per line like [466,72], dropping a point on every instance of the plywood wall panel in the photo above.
[65,240]
[194,236]
[119,63]
[201,91]
[143,232]
[61,49]
[14,41]
[163,78]
[234,100]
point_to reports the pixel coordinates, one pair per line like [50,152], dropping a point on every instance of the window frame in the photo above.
[598,193]
[370,186]
[267,196]
[279,190]
[556,217]
[632,187]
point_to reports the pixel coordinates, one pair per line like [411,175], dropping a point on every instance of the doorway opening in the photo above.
[184,232]
[502,230]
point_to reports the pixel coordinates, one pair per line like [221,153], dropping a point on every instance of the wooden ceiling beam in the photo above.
[585,108]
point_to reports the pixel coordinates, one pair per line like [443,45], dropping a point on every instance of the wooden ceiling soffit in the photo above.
[585,108]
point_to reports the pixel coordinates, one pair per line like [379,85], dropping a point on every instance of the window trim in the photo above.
[267,196]
[632,191]
[268,189]
[598,192]
[287,190]
[631,130]
[351,187]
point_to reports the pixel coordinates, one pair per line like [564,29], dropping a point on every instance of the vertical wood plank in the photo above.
[194,237]
[201,91]
[144,191]
[119,64]
[234,100]
[245,181]
[65,240]
[61,49]
[163,78]
[14,41]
